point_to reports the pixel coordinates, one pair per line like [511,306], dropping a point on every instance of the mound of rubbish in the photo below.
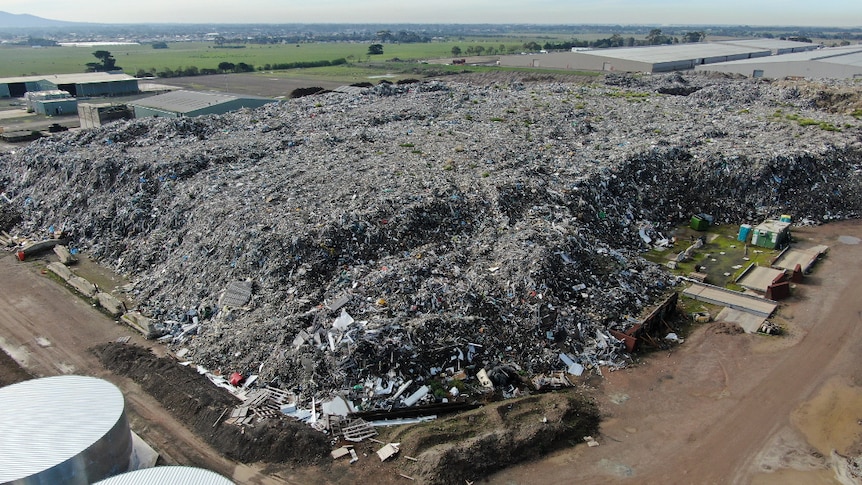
[371,241]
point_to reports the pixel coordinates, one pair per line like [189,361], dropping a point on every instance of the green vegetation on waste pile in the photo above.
[801,121]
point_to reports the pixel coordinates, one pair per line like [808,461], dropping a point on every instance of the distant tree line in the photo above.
[230,67]
[654,37]
[383,36]
[37,42]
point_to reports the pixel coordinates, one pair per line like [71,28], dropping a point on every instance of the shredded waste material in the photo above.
[370,242]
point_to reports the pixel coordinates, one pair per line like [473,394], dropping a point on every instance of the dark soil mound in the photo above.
[10,371]
[192,399]
[472,445]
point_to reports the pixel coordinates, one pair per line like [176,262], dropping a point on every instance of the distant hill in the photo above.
[12,20]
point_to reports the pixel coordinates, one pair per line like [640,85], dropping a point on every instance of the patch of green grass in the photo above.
[720,239]
[406,145]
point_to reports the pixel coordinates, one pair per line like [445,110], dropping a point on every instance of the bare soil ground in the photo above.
[721,408]
[737,408]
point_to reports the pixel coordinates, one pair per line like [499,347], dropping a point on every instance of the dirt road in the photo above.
[737,408]
[720,408]
[47,329]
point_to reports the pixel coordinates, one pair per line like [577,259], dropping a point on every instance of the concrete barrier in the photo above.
[110,303]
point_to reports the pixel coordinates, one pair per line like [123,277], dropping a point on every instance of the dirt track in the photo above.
[721,408]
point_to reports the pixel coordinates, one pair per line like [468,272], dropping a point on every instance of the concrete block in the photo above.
[60,270]
[110,303]
[83,286]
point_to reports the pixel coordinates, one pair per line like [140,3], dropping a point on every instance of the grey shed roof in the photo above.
[75,78]
[771,44]
[848,55]
[182,101]
[671,53]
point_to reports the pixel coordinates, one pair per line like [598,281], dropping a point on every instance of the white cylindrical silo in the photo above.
[64,429]
[168,474]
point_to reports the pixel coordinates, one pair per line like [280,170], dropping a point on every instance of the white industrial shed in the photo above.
[776,46]
[833,62]
[662,58]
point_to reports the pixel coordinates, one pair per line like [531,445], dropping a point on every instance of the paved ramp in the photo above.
[731,299]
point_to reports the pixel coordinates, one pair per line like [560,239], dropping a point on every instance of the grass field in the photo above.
[22,61]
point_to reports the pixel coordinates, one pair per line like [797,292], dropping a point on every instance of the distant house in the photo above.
[771,234]
[180,103]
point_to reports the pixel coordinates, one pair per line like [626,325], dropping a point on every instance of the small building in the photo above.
[771,234]
[194,103]
[56,107]
[32,96]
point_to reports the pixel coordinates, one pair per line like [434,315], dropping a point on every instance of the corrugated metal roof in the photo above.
[48,421]
[771,44]
[671,53]
[182,101]
[847,55]
[76,78]
[167,474]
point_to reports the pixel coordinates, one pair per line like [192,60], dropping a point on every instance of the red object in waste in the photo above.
[20,255]
[235,379]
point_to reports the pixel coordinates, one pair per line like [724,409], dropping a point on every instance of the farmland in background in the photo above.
[22,61]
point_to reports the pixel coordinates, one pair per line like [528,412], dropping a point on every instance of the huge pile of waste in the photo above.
[372,241]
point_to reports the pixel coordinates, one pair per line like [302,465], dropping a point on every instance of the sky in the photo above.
[832,13]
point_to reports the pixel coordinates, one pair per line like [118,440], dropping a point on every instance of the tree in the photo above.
[456,51]
[243,67]
[655,37]
[694,36]
[384,36]
[160,45]
[226,66]
[375,49]
[108,62]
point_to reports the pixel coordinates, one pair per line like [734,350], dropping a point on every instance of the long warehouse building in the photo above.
[834,63]
[663,58]
[78,85]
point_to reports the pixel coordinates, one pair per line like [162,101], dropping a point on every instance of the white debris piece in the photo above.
[389,450]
